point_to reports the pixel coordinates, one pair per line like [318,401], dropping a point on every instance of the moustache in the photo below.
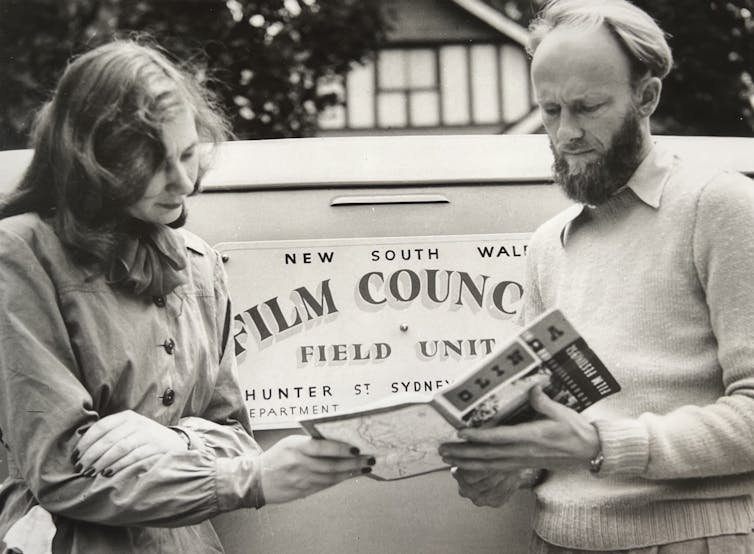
[572,148]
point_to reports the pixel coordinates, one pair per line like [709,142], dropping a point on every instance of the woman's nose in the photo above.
[181,178]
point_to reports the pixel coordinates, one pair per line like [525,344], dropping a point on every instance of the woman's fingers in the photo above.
[325,448]
[120,439]
[113,441]
[101,428]
[137,455]
[341,465]
[298,466]
[124,448]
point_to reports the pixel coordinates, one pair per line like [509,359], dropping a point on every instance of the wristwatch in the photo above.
[595,464]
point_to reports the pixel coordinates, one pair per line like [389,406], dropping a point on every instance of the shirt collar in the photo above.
[647,183]
[193,243]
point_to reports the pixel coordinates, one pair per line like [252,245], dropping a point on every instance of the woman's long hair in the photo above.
[98,142]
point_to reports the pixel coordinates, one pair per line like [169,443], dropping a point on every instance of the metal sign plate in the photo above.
[322,326]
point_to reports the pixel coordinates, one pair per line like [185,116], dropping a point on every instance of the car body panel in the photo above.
[370,187]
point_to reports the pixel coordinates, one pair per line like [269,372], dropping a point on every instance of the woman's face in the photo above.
[175,178]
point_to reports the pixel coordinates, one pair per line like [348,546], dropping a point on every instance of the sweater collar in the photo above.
[647,183]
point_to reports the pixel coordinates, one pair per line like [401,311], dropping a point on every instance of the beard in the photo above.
[597,181]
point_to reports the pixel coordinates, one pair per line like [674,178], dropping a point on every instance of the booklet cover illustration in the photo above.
[403,432]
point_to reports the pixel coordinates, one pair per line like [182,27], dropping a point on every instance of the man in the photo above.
[655,267]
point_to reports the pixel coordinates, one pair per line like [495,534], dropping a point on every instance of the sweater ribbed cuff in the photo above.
[625,447]
[603,527]
[239,483]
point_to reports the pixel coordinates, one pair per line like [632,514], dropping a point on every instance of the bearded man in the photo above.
[655,266]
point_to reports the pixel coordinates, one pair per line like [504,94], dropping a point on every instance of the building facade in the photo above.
[448,66]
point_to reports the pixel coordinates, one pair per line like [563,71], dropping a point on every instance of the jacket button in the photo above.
[169,346]
[168,397]
[159,301]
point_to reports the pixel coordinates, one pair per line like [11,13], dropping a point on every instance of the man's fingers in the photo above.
[487,452]
[497,465]
[472,477]
[494,500]
[547,406]
[504,434]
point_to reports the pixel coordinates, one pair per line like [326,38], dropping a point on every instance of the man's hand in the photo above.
[563,438]
[298,466]
[490,488]
[120,440]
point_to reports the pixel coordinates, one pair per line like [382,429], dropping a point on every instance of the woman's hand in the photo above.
[298,466]
[120,440]
[563,438]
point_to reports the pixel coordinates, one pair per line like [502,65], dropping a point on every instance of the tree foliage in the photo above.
[265,57]
[710,90]
[262,57]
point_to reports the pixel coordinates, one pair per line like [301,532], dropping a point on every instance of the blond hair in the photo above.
[640,37]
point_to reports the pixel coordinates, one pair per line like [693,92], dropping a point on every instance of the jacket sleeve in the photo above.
[224,425]
[43,402]
[716,439]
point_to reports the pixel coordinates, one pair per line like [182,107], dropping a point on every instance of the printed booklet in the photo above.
[403,432]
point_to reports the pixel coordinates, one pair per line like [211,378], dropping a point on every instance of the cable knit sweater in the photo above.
[660,281]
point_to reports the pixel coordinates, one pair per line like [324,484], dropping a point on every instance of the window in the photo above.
[449,85]
[407,88]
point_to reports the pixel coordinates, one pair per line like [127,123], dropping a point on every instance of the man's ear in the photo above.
[648,96]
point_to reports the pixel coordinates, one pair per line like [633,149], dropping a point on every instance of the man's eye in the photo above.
[550,110]
[590,108]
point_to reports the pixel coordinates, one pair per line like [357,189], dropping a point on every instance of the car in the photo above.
[366,267]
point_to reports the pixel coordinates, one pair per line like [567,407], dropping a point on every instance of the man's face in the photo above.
[582,83]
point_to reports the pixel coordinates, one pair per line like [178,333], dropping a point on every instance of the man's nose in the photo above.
[569,128]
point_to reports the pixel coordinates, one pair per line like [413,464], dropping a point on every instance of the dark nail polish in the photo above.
[77,468]
[355,451]
[91,472]
[371,461]
[108,473]
[75,456]
[82,431]
[366,470]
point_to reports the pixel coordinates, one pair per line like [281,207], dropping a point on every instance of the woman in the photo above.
[113,320]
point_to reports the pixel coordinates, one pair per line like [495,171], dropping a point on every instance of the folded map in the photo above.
[403,432]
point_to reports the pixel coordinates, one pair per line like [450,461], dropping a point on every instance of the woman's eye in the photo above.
[186,156]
